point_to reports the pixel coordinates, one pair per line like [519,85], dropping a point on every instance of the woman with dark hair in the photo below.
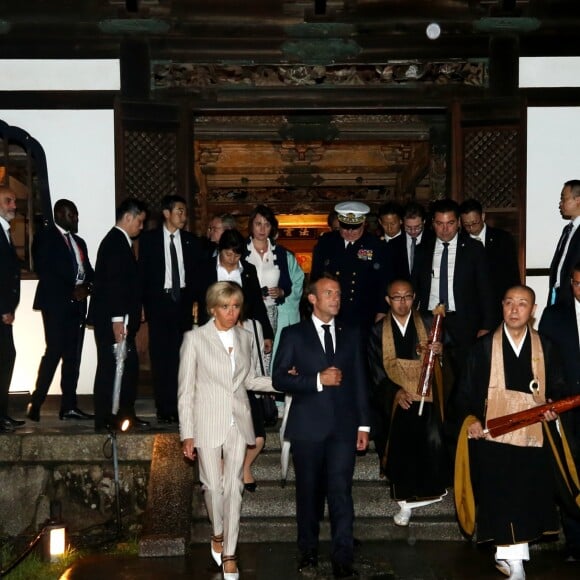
[230,266]
[271,262]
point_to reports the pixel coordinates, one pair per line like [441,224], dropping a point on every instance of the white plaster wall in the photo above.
[79,147]
[553,157]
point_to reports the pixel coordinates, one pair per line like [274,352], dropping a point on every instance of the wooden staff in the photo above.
[426,380]
[507,423]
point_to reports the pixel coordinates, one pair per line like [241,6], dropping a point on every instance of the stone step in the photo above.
[267,467]
[422,527]
[370,500]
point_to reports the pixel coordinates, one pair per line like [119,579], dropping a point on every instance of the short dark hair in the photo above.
[445,206]
[311,288]
[574,185]
[168,202]
[390,208]
[414,209]
[268,215]
[400,281]
[132,206]
[575,268]
[232,240]
[470,205]
[62,204]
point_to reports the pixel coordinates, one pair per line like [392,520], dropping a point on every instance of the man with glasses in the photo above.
[561,324]
[359,262]
[217,226]
[568,249]
[500,250]
[416,462]
[415,234]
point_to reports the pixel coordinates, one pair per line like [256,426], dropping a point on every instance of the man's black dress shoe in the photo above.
[138,423]
[308,561]
[251,487]
[8,421]
[33,412]
[343,570]
[75,414]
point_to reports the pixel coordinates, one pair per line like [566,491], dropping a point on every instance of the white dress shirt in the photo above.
[168,284]
[435,267]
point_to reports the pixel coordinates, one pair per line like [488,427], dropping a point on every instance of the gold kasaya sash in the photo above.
[501,401]
[403,372]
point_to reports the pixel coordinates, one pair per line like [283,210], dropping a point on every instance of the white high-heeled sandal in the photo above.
[230,575]
[217,556]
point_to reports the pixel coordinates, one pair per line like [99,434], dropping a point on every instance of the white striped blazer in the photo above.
[208,395]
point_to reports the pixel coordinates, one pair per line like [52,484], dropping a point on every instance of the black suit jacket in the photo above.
[564,294]
[253,301]
[503,265]
[9,277]
[337,411]
[471,287]
[117,286]
[558,323]
[56,270]
[152,271]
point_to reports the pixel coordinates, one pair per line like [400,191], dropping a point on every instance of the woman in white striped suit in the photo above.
[218,364]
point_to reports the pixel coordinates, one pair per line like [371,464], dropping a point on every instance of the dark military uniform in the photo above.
[362,271]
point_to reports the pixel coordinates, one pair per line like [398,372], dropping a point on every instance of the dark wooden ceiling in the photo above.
[256,30]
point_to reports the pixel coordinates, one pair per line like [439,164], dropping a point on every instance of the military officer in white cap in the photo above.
[359,262]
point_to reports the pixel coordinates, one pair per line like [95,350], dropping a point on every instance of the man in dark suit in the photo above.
[9,299]
[359,261]
[568,249]
[500,249]
[65,278]
[168,278]
[116,298]
[452,269]
[561,324]
[320,363]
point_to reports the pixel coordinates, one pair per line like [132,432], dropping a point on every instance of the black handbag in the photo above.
[269,407]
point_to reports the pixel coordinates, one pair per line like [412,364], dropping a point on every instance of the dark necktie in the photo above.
[560,251]
[175,283]
[72,252]
[443,274]
[412,256]
[328,346]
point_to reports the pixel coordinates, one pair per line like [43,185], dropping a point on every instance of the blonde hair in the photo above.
[221,292]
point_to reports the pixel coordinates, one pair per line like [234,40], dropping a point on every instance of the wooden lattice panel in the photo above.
[150,166]
[490,170]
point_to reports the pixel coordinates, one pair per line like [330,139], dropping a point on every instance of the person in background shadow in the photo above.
[169,259]
[65,280]
[9,299]
[561,324]
[321,364]
[116,295]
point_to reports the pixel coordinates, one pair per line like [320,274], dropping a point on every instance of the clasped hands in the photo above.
[329,377]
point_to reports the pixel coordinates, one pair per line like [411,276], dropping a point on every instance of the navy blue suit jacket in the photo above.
[56,271]
[316,415]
